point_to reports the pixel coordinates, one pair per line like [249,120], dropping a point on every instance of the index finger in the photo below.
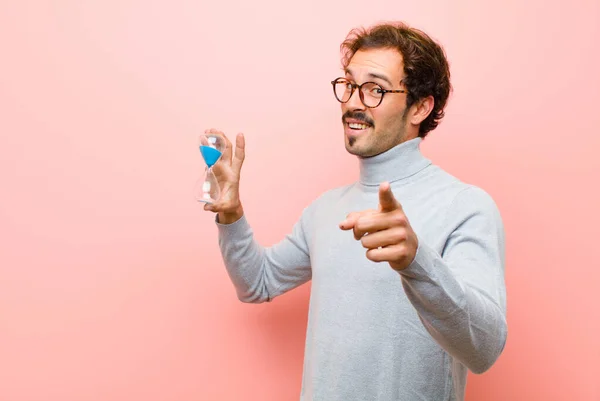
[387,201]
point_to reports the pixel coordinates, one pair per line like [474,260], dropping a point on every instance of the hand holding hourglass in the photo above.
[219,188]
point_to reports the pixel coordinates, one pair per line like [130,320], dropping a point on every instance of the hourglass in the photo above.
[211,148]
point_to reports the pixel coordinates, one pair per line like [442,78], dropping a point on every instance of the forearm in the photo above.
[468,323]
[260,274]
[243,258]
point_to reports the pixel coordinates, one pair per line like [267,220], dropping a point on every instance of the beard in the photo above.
[361,117]
[374,142]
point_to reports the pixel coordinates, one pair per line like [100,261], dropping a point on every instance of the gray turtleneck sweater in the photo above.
[375,333]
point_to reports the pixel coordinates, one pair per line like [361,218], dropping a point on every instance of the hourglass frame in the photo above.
[207,189]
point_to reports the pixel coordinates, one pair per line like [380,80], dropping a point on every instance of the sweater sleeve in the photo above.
[460,295]
[259,273]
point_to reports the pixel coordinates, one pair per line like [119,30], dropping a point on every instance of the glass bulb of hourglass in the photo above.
[211,148]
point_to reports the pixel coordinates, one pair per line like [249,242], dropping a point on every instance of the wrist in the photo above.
[230,217]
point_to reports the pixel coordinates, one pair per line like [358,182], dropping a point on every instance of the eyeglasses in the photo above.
[371,94]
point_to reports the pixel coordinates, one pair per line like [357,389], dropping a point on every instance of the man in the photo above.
[407,264]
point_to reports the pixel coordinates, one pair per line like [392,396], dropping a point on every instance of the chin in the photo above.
[355,148]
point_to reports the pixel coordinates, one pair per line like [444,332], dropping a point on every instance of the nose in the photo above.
[354,103]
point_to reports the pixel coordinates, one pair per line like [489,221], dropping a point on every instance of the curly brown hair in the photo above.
[426,68]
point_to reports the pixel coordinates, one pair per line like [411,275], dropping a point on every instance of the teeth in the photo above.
[357,126]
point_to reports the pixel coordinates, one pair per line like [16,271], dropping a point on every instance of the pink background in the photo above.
[111,282]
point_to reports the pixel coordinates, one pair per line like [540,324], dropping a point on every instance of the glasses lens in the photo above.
[343,90]
[372,94]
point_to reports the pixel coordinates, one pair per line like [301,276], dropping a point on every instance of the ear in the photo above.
[421,109]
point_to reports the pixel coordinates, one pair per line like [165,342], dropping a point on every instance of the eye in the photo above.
[375,90]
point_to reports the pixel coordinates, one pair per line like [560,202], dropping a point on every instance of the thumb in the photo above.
[387,201]
[240,152]
[350,221]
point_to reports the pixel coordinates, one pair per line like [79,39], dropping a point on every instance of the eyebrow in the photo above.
[373,75]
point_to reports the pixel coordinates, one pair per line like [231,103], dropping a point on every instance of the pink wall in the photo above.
[111,282]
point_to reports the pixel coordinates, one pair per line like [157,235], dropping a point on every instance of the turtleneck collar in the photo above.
[395,164]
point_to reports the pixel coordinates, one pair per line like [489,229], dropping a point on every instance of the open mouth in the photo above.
[358,126]
[354,126]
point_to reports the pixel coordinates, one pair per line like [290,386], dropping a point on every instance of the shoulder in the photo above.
[331,196]
[458,200]
[473,199]
[326,201]
[473,211]
[458,192]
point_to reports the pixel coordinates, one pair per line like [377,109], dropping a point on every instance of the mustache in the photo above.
[357,115]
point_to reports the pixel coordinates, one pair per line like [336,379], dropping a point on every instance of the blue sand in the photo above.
[210,155]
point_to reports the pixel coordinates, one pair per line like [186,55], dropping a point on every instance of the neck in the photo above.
[395,164]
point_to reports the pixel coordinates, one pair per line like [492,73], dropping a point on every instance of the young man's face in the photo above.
[387,124]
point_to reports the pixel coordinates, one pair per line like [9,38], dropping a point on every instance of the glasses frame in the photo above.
[355,86]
